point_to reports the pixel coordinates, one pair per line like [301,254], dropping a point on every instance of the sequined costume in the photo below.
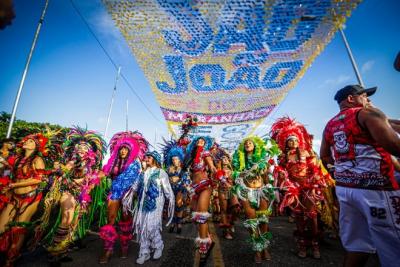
[229,203]
[178,178]
[83,153]
[301,179]
[123,172]
[151,189]
[16,216]
[195,162]
[253,183]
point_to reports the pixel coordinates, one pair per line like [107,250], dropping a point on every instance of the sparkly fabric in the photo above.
[122,182]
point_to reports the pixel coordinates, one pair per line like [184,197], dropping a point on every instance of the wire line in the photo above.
[113,62]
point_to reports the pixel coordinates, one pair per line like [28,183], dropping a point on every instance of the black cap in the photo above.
[356,89]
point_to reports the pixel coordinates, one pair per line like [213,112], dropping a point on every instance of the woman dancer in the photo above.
[25,194]
[199,162]
[230,206]
[123,168]
[302,180]
[179,180]
[83,153]
[253,186]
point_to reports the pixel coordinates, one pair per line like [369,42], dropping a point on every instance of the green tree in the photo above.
[22,128]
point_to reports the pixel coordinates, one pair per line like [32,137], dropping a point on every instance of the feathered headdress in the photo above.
[207,146]
[171,149]
[188,125]
[221,153]
[133,141]
[48,143]
[54,147]
[286,128]
[239,162]
[78,136]
[40,140]
[189,157]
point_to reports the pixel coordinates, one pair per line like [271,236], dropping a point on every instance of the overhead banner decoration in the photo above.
[230,63]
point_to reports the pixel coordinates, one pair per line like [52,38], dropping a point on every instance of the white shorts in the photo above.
[369,222]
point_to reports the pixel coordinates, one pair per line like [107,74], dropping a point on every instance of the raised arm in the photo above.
[210,164]
[395,125]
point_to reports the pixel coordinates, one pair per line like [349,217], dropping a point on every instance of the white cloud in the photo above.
[108,33]
[317,145]
[101,120]
[367,66]
[341,79]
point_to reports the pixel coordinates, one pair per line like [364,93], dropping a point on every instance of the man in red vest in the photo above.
[359,142]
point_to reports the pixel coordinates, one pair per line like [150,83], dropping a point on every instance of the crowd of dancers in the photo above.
[54,188]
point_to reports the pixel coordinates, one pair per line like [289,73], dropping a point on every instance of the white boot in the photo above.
[143,258]
[158,253]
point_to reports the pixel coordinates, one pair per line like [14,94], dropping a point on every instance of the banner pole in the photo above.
[28,61]
[112,101]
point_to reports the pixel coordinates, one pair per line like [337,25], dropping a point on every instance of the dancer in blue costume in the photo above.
[151,189]
[178,178]
[123,168]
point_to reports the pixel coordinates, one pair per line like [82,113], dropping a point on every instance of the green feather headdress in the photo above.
[263,149]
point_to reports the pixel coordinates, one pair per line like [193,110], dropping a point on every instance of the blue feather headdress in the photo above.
[171,149]
[207,146]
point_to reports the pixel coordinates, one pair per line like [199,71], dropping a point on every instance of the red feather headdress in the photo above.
[286,128]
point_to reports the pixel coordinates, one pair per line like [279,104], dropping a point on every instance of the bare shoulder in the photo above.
[38,163]
[372,112]
[304,153]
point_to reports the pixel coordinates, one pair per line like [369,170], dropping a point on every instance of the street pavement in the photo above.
[179,250]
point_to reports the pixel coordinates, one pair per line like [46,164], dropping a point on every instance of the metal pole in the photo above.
[127,120]
[28,60]
[112,102]
[353,62]
[155,139]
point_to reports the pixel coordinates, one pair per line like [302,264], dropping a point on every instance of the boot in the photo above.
[16,237]
[266,255]
[109,235]
[302,249]
[61,241]
[124,237]
[258,258]
[315,247]
[205,246]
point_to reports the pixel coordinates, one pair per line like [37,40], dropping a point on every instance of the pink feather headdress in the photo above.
[134,141]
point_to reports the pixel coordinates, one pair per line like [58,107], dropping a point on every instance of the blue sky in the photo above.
[70,80]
